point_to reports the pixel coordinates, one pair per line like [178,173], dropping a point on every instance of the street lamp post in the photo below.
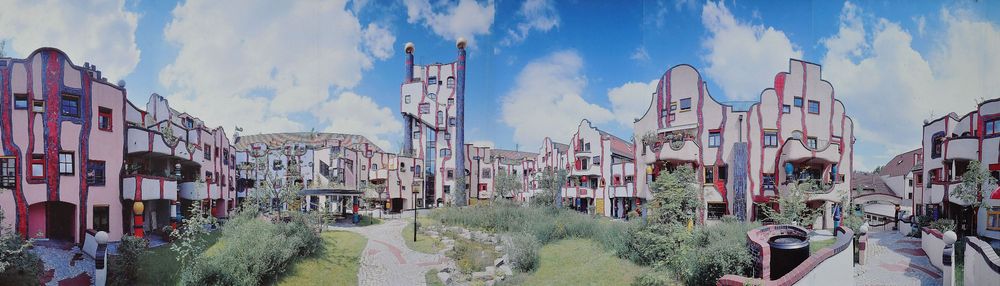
[414,216]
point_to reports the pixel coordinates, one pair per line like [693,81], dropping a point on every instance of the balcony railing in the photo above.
[143,187]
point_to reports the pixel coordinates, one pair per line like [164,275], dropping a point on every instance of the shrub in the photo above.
[652,278]
[729,255]
[125,267]
[253,250]
[942,225]
[471,256]
[522,250]
[18,265]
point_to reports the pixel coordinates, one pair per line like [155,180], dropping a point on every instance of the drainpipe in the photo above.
[460,120]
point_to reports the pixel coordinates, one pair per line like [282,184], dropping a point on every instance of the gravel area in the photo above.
[59,260]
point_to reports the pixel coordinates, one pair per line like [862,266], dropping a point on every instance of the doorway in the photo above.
[59,220]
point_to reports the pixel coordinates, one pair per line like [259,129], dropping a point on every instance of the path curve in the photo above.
[894,259]
[387,261]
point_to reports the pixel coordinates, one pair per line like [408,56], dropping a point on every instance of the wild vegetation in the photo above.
[18,265]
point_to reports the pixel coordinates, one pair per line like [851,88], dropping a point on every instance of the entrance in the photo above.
[59,220]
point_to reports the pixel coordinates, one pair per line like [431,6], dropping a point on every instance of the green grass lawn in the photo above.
[431,278]
[337,265]
[424,243]
[815,246]
[159,266]
[581,262]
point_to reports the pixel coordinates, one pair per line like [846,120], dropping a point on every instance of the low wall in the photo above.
[905,227]
[932,243]
[982,264]
[833,265]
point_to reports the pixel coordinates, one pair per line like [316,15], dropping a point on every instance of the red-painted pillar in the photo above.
[137,209]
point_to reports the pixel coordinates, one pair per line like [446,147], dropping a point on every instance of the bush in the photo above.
[18,265]
[253,250]
[652,278]
[125,266]
[729,255]
[522,251]
[942,225]
[471,256]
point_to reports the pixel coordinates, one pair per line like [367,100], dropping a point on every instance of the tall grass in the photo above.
[544,223]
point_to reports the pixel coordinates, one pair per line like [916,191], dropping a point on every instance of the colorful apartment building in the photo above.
[601,173]
[432,105]
[749,152]
[889,192]
[78,156]
[950,144]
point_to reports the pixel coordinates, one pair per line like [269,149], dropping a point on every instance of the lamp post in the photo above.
[414,214]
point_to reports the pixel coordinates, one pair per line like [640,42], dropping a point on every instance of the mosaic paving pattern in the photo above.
[894,259]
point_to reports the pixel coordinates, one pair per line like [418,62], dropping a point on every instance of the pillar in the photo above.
[137,222]
[460,123]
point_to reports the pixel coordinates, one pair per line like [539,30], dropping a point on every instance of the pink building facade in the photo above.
[77,154]
[601,173]
[747,152]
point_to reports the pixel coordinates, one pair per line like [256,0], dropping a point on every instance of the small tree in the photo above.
[976,185]
[126,263]
[505,184]
[550,182]
[675,197]
[192,239]
[792,207]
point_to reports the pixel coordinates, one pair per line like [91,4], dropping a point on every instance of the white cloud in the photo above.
[538,15]
[630,101]
[99,32]
[377,123]
[467,19]
[379,41]
[230,53]
[921,24]
[743,58]
[640,54]
[547,99]
[872,64]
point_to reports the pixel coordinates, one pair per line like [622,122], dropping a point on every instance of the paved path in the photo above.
[894,259]
[387,261]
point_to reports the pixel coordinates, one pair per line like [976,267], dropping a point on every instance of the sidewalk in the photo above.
[387,261]
[894,259]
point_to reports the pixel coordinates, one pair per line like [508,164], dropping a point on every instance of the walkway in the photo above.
[387,261]
[64,263]
[894,259]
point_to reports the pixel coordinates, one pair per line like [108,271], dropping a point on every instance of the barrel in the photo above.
[787,252]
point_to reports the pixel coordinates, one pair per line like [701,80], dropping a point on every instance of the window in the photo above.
[208,177]
[768,182]
[277,165]
[432,80]
[104,118]
[451,101]
[416,134]
[102,218]
[21,101]
[586,147]
[445,153]
[38,106]
[451,121]
[447,136]
[217,152]
[425,108]
[451,82]
[714,139]
[597,160]
[811,142]
[770,139]
[487,174]
[629,179]
[797,101]
[716,210]
[225,157]
[8,178]
[685,104]
[95,173]
[70,106]
[786,109]
[208,152]
[406,99]
[814,107]
[723,173]
[37,166]
[66,166]
[993,218]
[451,174]
[188,123]
[992,127]
[936,142]
[709,174]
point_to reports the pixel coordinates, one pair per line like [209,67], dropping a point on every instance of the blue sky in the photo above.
[535,68]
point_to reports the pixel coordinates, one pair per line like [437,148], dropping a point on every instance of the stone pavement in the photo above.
[64,263]
[894,259]
[387,261]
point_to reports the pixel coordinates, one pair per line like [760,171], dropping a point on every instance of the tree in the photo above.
[550,182]
[976,185]
[505,184]
[675,197]
[792,207]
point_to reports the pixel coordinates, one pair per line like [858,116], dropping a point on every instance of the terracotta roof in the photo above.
[868,182]
[560,147]
[511,156]
[274,140]
[620,146]
[902,164]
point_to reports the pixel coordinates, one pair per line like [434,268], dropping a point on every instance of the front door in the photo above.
[59,220]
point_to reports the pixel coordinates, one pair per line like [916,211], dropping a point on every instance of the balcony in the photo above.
[148,188]
[684,150]
[622,191]
[962,148]
[796,151]
[141,140]
[378,175]
[191,191]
